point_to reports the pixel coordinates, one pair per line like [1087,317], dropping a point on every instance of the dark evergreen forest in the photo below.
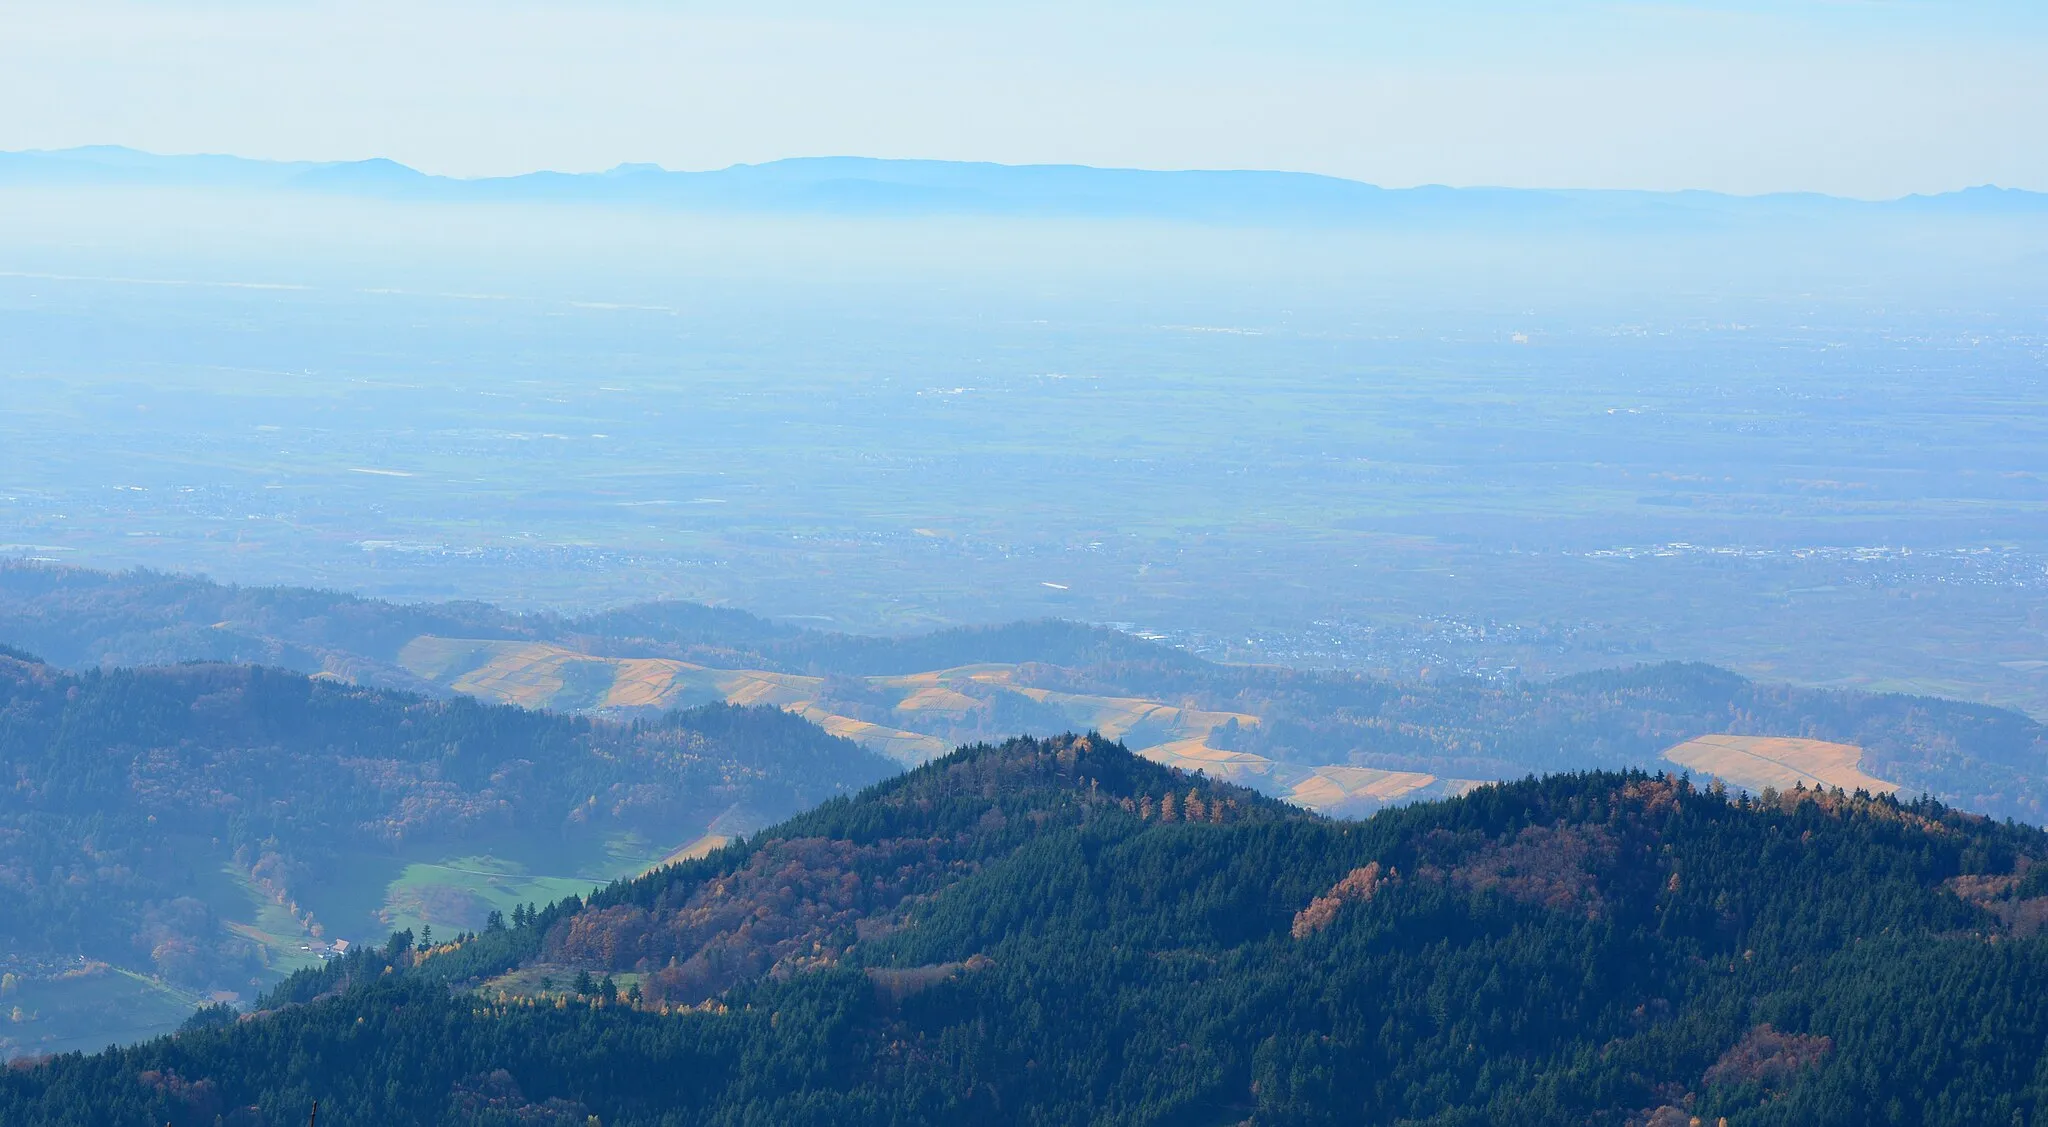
[1055,932]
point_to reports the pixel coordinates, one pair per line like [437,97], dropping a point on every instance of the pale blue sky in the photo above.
[1856,97]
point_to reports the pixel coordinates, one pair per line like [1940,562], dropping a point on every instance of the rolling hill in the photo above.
[1338,742]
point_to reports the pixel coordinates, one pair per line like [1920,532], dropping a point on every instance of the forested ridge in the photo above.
[1058,932]
[77,617]
[1975,756]
[125,790]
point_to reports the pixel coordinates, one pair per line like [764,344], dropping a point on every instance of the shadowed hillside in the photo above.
[207,827]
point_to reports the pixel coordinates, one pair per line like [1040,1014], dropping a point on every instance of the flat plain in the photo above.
[1812,460]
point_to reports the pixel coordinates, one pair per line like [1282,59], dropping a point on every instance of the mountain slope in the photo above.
[1596,948]
[210,826]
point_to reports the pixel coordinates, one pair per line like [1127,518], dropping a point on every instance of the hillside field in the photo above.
[910,718]
[1780,762]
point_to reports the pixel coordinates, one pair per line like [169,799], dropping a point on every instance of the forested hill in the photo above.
[77,618]
[1057,932]
[147,811]
[1978,757]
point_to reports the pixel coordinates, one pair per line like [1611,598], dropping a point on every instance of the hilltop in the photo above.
[1030,934]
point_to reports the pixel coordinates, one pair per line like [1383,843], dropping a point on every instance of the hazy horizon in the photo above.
[795,158]
[1748,96]
[1313,444]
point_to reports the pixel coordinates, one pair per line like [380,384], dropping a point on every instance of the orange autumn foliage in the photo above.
[1360,884]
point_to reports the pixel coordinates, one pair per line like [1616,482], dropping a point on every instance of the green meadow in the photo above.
[87,1010]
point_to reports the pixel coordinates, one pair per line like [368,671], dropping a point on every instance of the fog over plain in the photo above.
[1463,439]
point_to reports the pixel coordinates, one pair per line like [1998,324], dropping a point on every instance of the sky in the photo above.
[1869,98]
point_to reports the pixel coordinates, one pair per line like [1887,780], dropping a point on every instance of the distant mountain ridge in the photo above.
[873,186]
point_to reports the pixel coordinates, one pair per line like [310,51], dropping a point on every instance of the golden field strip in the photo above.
[1781,762]
[926,707]
[702,847]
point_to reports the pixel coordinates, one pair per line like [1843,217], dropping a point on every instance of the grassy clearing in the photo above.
[443,659]
[1335,790]
[698,848]
[1782,762]
[285,944]
[550,979]
[459,894]
[367,895]
[87,1010]
[1196,755]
